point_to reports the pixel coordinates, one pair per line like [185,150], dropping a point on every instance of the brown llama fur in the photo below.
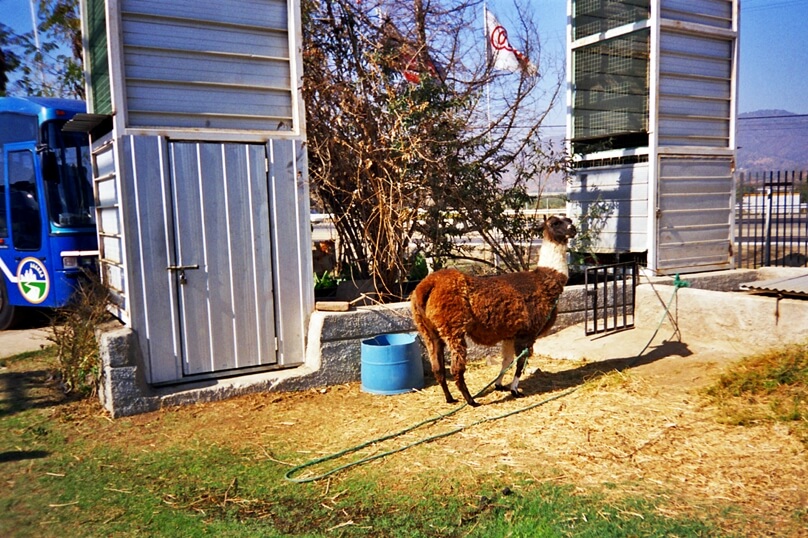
[513,308]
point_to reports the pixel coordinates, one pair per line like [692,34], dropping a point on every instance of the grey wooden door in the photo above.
[222,256]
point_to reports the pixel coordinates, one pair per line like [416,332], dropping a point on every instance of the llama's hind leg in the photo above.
[508,354]
[435,347]
[458,348]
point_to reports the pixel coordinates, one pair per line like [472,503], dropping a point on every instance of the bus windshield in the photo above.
[68,183]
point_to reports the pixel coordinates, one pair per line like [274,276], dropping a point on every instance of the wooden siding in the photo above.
[622,192]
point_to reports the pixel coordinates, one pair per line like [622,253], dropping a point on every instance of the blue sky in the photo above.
[773,61]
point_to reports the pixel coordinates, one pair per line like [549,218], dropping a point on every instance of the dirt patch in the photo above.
[629,427]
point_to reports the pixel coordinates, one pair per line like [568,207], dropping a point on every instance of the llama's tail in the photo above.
[418,301]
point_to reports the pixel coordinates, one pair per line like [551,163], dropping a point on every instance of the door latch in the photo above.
[180,270]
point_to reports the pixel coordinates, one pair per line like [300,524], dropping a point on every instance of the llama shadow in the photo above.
[540,382]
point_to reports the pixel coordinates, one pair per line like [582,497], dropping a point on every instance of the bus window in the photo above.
[17,127]
[69,184]
[26,226]
[3,219]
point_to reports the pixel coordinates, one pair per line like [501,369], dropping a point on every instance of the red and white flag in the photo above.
[503,56]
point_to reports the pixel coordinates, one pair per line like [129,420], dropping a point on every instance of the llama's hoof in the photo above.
[472,403]
[501,388]
[517,394]
[451,401]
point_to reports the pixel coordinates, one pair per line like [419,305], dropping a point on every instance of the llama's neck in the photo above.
[554,256]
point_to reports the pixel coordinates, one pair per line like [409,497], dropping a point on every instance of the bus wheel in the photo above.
[8,313]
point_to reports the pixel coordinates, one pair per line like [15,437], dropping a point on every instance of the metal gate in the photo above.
[222,256]
[610,294]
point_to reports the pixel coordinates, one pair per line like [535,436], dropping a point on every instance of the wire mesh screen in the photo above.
[611,87]
[596,16]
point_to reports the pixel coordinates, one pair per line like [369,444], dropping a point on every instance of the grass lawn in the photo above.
[70,471]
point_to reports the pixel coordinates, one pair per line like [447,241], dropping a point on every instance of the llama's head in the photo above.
[558,230]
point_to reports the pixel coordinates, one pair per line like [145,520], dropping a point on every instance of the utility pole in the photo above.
[35,26]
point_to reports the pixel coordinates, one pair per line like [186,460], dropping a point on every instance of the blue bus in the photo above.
[47,214]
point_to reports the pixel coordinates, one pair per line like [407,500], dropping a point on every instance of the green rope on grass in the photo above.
[289,475]
[677,285]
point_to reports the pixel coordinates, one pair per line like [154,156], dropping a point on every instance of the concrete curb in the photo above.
[334,339]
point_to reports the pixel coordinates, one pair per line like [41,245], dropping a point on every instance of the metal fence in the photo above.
[771,219]
[610,292]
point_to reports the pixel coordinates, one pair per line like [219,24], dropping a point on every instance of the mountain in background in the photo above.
[772,140]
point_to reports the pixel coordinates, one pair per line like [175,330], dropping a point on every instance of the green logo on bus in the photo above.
[33,281]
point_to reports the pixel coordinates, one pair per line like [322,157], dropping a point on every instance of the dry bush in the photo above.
[73,331]
[412,132]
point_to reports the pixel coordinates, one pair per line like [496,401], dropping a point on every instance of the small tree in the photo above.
[411,131]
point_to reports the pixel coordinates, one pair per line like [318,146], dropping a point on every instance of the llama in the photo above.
[514,308]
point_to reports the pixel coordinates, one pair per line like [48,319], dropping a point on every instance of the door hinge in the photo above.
[277,345]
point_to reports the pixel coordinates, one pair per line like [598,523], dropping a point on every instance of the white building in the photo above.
[651,126]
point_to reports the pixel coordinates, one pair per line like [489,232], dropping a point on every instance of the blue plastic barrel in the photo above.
[391,364]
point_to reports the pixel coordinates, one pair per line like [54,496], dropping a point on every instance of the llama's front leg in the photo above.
[508,354]
[458,349]
[520,366]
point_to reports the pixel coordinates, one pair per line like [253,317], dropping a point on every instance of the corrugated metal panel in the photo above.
[680,86]
[795,285]
[684,105]
[716,13]
[215,205]
[694,224]
[622,192]
[222,232]
[148,217]
[696,127]
[292,243]
[690,65]
[238,78]
[697,46]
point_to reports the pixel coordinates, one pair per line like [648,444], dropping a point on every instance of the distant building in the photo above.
[651,126]
[781,203]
